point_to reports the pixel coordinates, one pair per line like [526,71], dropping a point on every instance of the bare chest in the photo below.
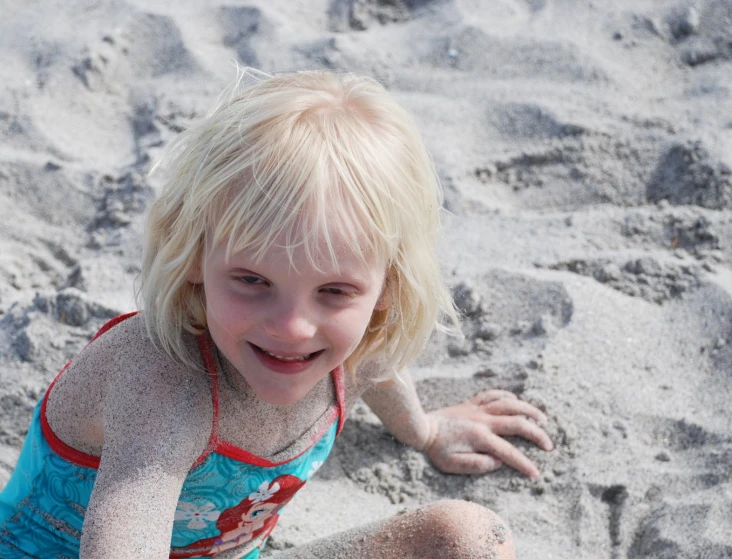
[275,432]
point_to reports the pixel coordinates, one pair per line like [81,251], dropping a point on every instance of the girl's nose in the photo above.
[291,323]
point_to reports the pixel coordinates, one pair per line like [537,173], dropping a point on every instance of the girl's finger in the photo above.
[470,463]
[517,426]
[508,454]
[491,395]
[507,406]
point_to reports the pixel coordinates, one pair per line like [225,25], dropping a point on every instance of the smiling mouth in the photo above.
[296,359]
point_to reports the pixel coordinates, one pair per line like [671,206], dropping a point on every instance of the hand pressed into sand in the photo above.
[467,438]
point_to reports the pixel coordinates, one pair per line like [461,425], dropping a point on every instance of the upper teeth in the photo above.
[302,358]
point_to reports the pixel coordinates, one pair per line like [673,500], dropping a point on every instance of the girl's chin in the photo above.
[287,391]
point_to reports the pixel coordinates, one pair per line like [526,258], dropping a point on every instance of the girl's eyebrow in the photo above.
[351,278]
[243,270]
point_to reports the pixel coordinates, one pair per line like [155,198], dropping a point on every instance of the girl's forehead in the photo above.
[324,223]
[334,254]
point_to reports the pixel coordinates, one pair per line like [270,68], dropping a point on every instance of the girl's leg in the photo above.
[455,529]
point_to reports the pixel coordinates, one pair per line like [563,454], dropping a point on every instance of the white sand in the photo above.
[586,151]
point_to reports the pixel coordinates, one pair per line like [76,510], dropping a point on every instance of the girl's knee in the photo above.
[464,529]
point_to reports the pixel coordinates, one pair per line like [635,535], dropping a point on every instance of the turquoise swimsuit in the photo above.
[230,498]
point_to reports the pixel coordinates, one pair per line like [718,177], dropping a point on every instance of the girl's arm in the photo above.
[397,405]
[465,438]
[154,431]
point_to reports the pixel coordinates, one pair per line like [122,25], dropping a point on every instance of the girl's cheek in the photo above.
[230,312]
[245,295]
[232,298]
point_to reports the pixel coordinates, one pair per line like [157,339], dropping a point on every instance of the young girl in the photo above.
[289,269]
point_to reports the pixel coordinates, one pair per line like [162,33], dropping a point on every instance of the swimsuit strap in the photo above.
[205,346]
[112,323]
[340,387]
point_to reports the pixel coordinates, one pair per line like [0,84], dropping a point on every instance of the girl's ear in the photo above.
[384,301]
[195,275]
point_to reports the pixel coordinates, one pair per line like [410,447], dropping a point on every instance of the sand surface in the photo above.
[586,153]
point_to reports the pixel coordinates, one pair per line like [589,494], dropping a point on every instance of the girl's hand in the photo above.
[467,438]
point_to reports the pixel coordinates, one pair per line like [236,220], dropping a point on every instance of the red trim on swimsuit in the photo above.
[112,323]
[57,445]
[209,362]
[340,387]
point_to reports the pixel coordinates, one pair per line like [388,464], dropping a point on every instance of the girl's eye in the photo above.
[335,291]
[251,280]
[256,513]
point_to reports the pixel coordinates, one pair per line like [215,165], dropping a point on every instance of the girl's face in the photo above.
[284,328]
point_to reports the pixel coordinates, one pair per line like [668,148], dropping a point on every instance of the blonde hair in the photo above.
[302,155]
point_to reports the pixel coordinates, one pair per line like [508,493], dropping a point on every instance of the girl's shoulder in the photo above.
[126,340]
[128,351]
[122,373]
[131,361]
[357,383]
